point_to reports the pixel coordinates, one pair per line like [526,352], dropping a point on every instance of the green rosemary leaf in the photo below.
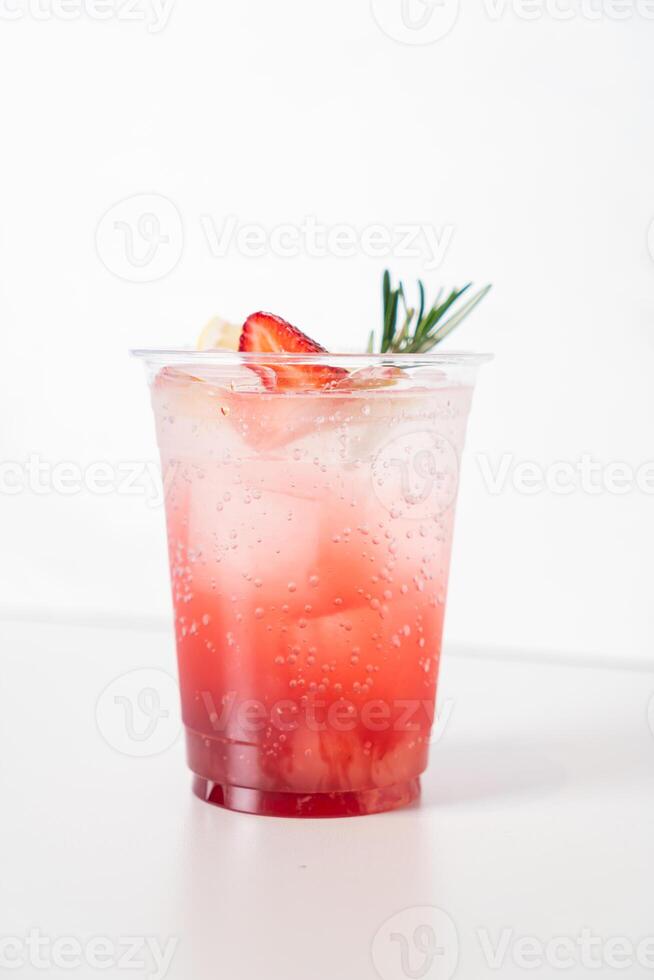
[421,309]
[421,334]
[386,287]
[401,339]
[462,312]
[390,320]
[441,310]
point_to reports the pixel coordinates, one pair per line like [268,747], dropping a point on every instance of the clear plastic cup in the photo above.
[309,535]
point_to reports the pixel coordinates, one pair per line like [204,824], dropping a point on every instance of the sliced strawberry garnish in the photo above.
[265,333]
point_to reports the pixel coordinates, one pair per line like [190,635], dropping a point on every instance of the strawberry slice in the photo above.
[265,333]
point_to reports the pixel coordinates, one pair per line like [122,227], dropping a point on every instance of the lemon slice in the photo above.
[219,334]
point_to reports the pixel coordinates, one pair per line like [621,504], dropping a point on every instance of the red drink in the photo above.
[309,537]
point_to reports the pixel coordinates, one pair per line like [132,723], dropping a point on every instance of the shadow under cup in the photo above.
[309,536]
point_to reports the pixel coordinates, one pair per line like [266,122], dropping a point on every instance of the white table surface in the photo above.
[536,820]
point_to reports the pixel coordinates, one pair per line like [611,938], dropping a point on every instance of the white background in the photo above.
[531,139]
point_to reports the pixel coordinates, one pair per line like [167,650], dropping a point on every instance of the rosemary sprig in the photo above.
[415,335]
